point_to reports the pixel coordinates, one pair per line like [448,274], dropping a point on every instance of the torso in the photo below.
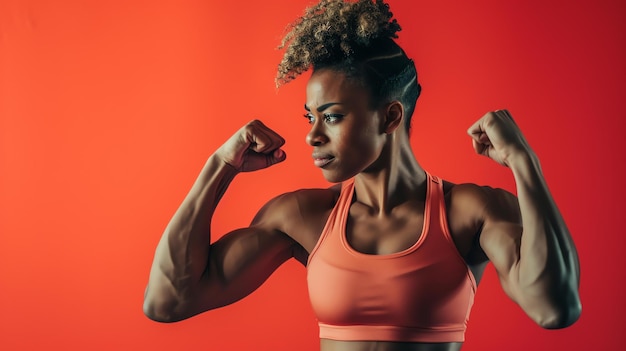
[370,234]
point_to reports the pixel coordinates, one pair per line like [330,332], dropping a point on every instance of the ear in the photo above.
[394,116]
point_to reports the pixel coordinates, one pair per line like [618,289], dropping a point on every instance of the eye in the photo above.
[310,118]
[332,117]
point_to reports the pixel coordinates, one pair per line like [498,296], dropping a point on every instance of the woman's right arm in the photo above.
[190,275]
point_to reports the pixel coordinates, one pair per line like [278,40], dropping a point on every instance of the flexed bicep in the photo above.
[530,262]
[239,263]
[500,237]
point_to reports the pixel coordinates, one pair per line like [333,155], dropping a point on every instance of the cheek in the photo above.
[360,148]
[370,139]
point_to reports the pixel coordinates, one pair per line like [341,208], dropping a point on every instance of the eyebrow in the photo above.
[322,107]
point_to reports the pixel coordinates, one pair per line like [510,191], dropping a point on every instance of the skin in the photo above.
[524,237]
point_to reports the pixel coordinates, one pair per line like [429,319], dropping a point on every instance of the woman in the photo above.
[393,253]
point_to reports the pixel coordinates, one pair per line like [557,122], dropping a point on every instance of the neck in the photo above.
[393,179]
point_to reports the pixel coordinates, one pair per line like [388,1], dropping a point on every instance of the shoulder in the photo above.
[480,200]
[300,202]
[308,201]
[300,214]
[472,208]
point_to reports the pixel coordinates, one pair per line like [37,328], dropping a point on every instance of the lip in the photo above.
[321,160]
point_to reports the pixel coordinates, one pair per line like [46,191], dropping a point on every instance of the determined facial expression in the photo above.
[347,135]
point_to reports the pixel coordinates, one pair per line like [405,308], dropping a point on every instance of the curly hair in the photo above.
[355,38]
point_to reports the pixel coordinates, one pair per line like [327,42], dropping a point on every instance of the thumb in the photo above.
[277,156]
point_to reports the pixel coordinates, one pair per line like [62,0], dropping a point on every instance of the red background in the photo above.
[109,109]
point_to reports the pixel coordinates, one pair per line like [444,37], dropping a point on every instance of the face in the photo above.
[346,134]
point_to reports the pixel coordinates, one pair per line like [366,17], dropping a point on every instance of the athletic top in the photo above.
[421,294]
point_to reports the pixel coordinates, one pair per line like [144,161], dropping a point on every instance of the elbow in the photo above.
[561,317]
[158,313]
[160,310]
[154,315]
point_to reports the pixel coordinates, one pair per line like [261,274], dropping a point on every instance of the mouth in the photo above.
[322,160]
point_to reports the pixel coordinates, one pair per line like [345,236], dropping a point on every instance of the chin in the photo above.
[334,177]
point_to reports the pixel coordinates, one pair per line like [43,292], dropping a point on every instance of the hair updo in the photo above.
[356,39]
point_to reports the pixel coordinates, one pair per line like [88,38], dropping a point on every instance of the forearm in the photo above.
[182,254]
[548,267]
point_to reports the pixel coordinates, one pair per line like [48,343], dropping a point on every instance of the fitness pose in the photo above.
[393,253]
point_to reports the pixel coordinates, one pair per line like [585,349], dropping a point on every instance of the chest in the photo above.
[403,228]
[383,235]
[368,233]
[399,270]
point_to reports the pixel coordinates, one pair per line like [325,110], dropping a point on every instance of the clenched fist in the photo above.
[253,147]
[498,137]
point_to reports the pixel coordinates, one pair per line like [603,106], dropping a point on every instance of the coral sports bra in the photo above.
[421,294]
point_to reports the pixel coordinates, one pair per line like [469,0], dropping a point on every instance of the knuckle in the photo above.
[247,127]
[256,122]
[490,119]
[252,125]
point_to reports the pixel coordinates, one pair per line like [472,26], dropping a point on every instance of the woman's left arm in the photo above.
[537,263]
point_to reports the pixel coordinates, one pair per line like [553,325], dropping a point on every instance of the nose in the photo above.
[316,136]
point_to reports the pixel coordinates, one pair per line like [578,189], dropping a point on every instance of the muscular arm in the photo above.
[190,275]
[537,265]
[526,238]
